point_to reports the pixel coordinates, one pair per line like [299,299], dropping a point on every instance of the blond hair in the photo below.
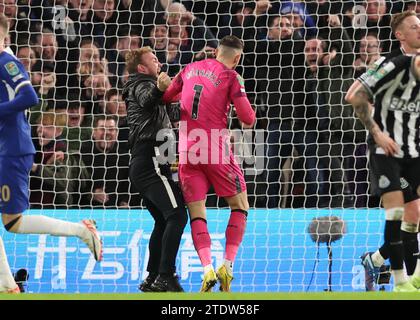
[53,119]
[4,26]
[134,58]
[398,18]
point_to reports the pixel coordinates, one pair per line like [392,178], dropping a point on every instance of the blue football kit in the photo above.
[16,147]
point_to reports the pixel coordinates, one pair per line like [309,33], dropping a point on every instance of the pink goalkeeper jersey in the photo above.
[207,89]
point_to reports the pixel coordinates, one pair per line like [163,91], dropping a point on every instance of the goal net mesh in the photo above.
[305,158]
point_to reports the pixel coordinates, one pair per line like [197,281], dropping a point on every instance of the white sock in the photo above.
[54,227]
[229,266]
[208,268]
[377,259]
[6,278]
[399,276]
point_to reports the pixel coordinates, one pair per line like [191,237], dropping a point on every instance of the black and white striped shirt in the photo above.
[395,89]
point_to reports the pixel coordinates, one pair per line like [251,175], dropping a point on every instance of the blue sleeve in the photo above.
[13,73]
[25,98]
[16,79]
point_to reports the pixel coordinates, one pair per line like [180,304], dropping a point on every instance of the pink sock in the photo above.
[201,240]
[234,233]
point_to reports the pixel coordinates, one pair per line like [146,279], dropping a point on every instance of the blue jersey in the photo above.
[15,132]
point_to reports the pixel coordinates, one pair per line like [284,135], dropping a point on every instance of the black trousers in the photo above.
[163,198]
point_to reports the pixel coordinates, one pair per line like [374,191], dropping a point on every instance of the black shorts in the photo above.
[154,181]
[389,174]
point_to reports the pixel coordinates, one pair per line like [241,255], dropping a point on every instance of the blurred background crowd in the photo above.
[300,58]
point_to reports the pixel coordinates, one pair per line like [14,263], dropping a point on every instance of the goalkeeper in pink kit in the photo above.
[207,88]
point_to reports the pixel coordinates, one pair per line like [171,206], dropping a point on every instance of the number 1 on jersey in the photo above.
[197,88]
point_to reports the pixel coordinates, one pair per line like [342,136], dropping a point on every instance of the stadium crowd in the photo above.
[299,60]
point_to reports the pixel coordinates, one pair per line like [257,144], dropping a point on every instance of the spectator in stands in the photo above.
[325,116]
[140,13]
[55,174]
[19,22]
[321,10]
[115,106]
[377,20]
[104,29]
[128,39]
[166,50]
[191,32]
[47,46]
[27,56]
[235,22]
[90,57]
[79,124]
[249,23]
[299,17]
[90,62]
[94,85]
[83,9]
[48,80]
[279,62]
[413,5]
[369,51]
[107,162]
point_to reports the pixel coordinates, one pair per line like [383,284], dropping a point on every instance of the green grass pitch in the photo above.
[220,296]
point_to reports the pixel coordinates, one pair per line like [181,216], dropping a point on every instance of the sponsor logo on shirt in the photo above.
[241,83]
[18,77]
[372,78]
[12,68]
[398,104]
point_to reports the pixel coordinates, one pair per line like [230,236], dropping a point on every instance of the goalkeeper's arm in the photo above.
[245,112]
[25,98]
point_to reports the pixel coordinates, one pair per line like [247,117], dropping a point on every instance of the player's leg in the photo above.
[7,282]
[202,242]
[415,279]
[409,227]
[16,180]
[388,171]
[229,183]
[235,231]
[410,241]
[412,175]
[393,203]
[168,200]
[155,246]
[373,261]
[194,186]
[164,200]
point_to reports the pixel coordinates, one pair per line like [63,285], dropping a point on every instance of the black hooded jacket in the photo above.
[146,113]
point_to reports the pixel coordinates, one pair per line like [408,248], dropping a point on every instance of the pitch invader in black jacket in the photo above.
[147,116]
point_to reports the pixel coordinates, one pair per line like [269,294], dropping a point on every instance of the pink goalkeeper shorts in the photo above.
[196,179]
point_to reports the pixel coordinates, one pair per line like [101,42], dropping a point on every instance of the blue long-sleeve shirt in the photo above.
[16,95]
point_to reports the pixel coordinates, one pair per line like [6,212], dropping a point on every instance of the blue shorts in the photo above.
[14,183]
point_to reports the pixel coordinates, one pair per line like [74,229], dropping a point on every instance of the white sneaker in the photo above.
[93,240]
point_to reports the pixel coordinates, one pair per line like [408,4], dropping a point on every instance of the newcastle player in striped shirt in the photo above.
[406,28]
[395,153]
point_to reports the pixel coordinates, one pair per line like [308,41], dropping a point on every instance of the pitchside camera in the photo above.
[21,276]
[326,230]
